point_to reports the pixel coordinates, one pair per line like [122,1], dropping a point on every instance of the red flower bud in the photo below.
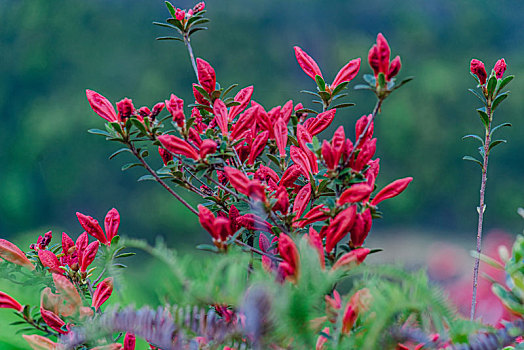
[130,339]
[180,14]
[237,179]
[318,124]
[301,201]
[207,147]
[282,203]
[329,155]
[289,253]
[394,68]
[351,259]
[206,75]
[308,65]
[281,134]
[219,228]
[165,155]
[477,68]
[67,243]
[221,118]
[259,144]
[176,145]
[384,53]
[175,106]
[102,293]
[360,125]
[81,244]
[339,227]
[199,98]
[286,111]
[366,153]
[198,7]
[89,255]
[361,228]
[8,302]
[318,213]
[316,242]
[347,73]
[392,190]
[92,227]
[125,108]
[256,191]
[101,106]
[48,259]
[243,96]
[291,175]
[12,253]
[253,222]
[355,193]
[500,68]
[111,223]
[157,109]
[374,60]
[349,317]
[52,320]
[244,122]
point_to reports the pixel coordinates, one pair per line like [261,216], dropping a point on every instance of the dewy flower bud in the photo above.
[477,68]
[125,108]
[206,75]
[500,68]
[180,14]
[111,223]
[199,7]
[157,109]
[101,106]
[308,64]
[48,259]
[92,227]
[102,293]
[12,253]
[165,155]
[8,302]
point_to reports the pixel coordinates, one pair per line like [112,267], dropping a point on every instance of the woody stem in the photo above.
[258,251]
[191,55]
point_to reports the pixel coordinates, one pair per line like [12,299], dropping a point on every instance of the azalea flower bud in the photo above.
[125,108]
[281,135]
[180,14]
[48,259]
[347,73]
[289,253]
[355,193]
[394,68]
[351,259]
[259,144]
[221,116]
[157,109]
[384,53]
[92,227]
[206,75]
[291,175]
[361,228]
[477,68]
[52,320]
[360,125]
[237,179]
[101,106]
[144,112]
[13,254]
[89,255]
[8,302]
[308,64]
[301,201]
[243,97]
[199,7]
[282,203]
[500,68]
[316,242]
[102,293]
[129,341]
[318,213]
[392,190]
[207,147]
[318,124]
[177,145]
[67,290]
[322,340]
[81,244]
[111,223]
[300,115]
[374,60]
[339,227]
[175,106]
[300,158]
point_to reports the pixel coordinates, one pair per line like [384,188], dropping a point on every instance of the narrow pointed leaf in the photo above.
[495,143]
[476,137]
[473,160]
[499,127]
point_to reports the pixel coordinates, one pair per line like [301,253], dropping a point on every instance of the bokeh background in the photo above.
[51,51]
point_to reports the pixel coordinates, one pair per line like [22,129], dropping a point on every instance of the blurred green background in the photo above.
[51,51]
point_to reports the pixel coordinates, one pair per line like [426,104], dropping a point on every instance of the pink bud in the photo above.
[243,97]
[180,14]
[351,259]
[144,112]
[67,243]
[8,302]
[207,147]
[374,60]
[175,106]
[308,65]
[355,193]
[281,135]
[165,155]
[206,75]
[81,244]
[477,68]
[301,201]
[102,293]
[129,339]
[289,253]
[301,159]
[384,53]
[361,228]
[125,108]
[199,7]
[48,259]
[89,255]
[318,213]
[394,68]
[237,179]
[157,109]
[318,124]
[500,68]
[339,227]
[291,175]
[176,145]
[52,320]
[101,106]
[111,223]
[322,340]
[259,144]
[67,290]
[347,73]
[92,227]
[392,190]
[12,253]
[221,116]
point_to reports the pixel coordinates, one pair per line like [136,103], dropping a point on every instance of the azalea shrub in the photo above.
[287,211]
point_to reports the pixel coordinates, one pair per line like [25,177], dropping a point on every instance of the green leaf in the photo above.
[492,83]
[473,160]
[340,87]
[203,92]
[381,79]
[320,83]
[207,247]
[119,151]
[124,255]
[495,143]
[197,21]
[274,159]
[326,96]
[194,30]
[306,110]
[370,79]
[498,127]
[505,82]
[169,38]
[406,80]
[478,95]
[484,117]
[498,100]
[167,25]
[228,90]
[233,103]
[338,96]
[362,87]
[99,132]
[343,105]
[171,9]
[476,137]
[130,165]
[486,259]
[138,124]
[310,93]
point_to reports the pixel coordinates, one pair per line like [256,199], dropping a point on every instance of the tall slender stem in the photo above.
[159,180]
[481,209]
[191,55]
